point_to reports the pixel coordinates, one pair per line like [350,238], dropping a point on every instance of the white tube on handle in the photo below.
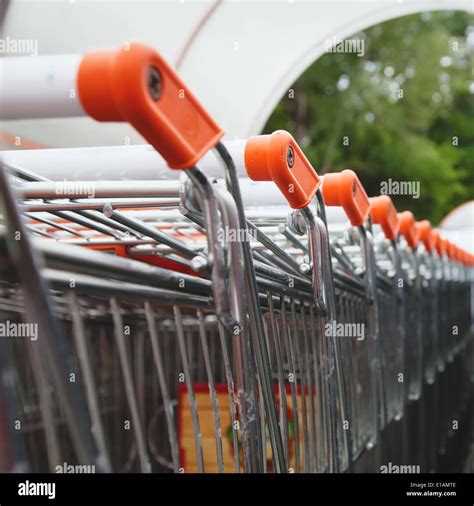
[136,164]
[39,87]
[114,162]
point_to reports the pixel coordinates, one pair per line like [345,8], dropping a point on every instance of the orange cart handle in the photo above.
[344,189]
[383,213]
[277,157]
[408,228]
[426,234]
[440,243]
[451,249]
[136,85]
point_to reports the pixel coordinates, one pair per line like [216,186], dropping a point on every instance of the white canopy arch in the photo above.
[238,57]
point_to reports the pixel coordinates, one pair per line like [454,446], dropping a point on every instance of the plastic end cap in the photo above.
[439,243]
[383,213]
[408,229]
[426,235]
[136,85]
[277,157]
[344,189]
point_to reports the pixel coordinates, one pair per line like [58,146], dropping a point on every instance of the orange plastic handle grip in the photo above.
[277,157]
[383,213]
[440,243]
[457,253]
[136,85]
[345,189]
[426,234]
[451,249]
[446,246]
[408,228]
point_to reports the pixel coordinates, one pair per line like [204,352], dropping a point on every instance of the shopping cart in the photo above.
[455,364]
[178,234]
[357,312]
[149,95]
[413,336]
[390,297]
[431,339]
[429,308]
[172,324]
[278,158]
[164,248]
[123,337]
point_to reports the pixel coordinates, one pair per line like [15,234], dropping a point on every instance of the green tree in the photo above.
[403,110]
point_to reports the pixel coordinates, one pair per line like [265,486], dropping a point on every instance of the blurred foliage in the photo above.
[406,106]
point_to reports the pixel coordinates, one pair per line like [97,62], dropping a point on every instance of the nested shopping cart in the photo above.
[138,328]
[351,234]
[435,325]
[188,323]
[181,335]
[165,325]
[455,352]
[390,297]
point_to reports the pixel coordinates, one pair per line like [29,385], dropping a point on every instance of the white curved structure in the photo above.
[238,57]
[458,226]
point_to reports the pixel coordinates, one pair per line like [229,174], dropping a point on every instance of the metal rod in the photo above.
[137,424]
[54,351]
[262,355]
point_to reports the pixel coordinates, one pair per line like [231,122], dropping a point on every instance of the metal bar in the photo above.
[212,392]
[283,411]
[189,388]
[230,390]
[262,355]
[293,380]
[137,424]
[54,351]
[101,189]
[85,361]
[155,234]
[168,407]
[96,205]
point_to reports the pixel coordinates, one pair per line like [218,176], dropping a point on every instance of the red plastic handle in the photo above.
[408,228]
[277,157]
[136,85]
[383,213]
[345,189]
